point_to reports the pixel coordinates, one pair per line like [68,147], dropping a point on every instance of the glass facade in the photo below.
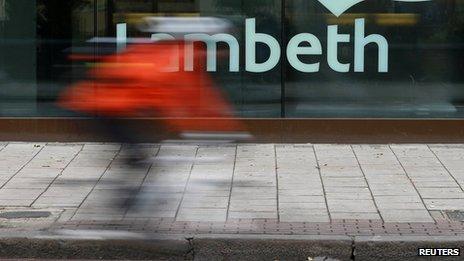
[378,59]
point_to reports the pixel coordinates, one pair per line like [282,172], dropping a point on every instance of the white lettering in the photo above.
[294,49]
[333,38]
[211,43]
[360,41]
[251,38]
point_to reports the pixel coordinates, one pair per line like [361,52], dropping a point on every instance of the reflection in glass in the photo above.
[424,76]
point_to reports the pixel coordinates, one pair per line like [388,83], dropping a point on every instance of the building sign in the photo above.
[303,44]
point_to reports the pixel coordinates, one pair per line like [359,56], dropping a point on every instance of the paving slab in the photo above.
[407,215]
[252,189]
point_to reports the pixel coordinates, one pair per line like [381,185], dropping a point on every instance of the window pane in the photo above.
[419,73]
[425,61]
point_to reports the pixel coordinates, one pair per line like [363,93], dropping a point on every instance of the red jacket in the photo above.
[141,81]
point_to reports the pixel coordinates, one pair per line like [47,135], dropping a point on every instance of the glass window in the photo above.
[422,41]
[377,59]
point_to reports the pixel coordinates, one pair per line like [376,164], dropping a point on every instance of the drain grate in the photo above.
[455,215]
[25,214]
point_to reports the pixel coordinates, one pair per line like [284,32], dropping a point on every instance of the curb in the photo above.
[54,247]
[265,247]
[127,245]
[393,248]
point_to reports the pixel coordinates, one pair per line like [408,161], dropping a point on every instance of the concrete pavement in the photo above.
[253,189]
